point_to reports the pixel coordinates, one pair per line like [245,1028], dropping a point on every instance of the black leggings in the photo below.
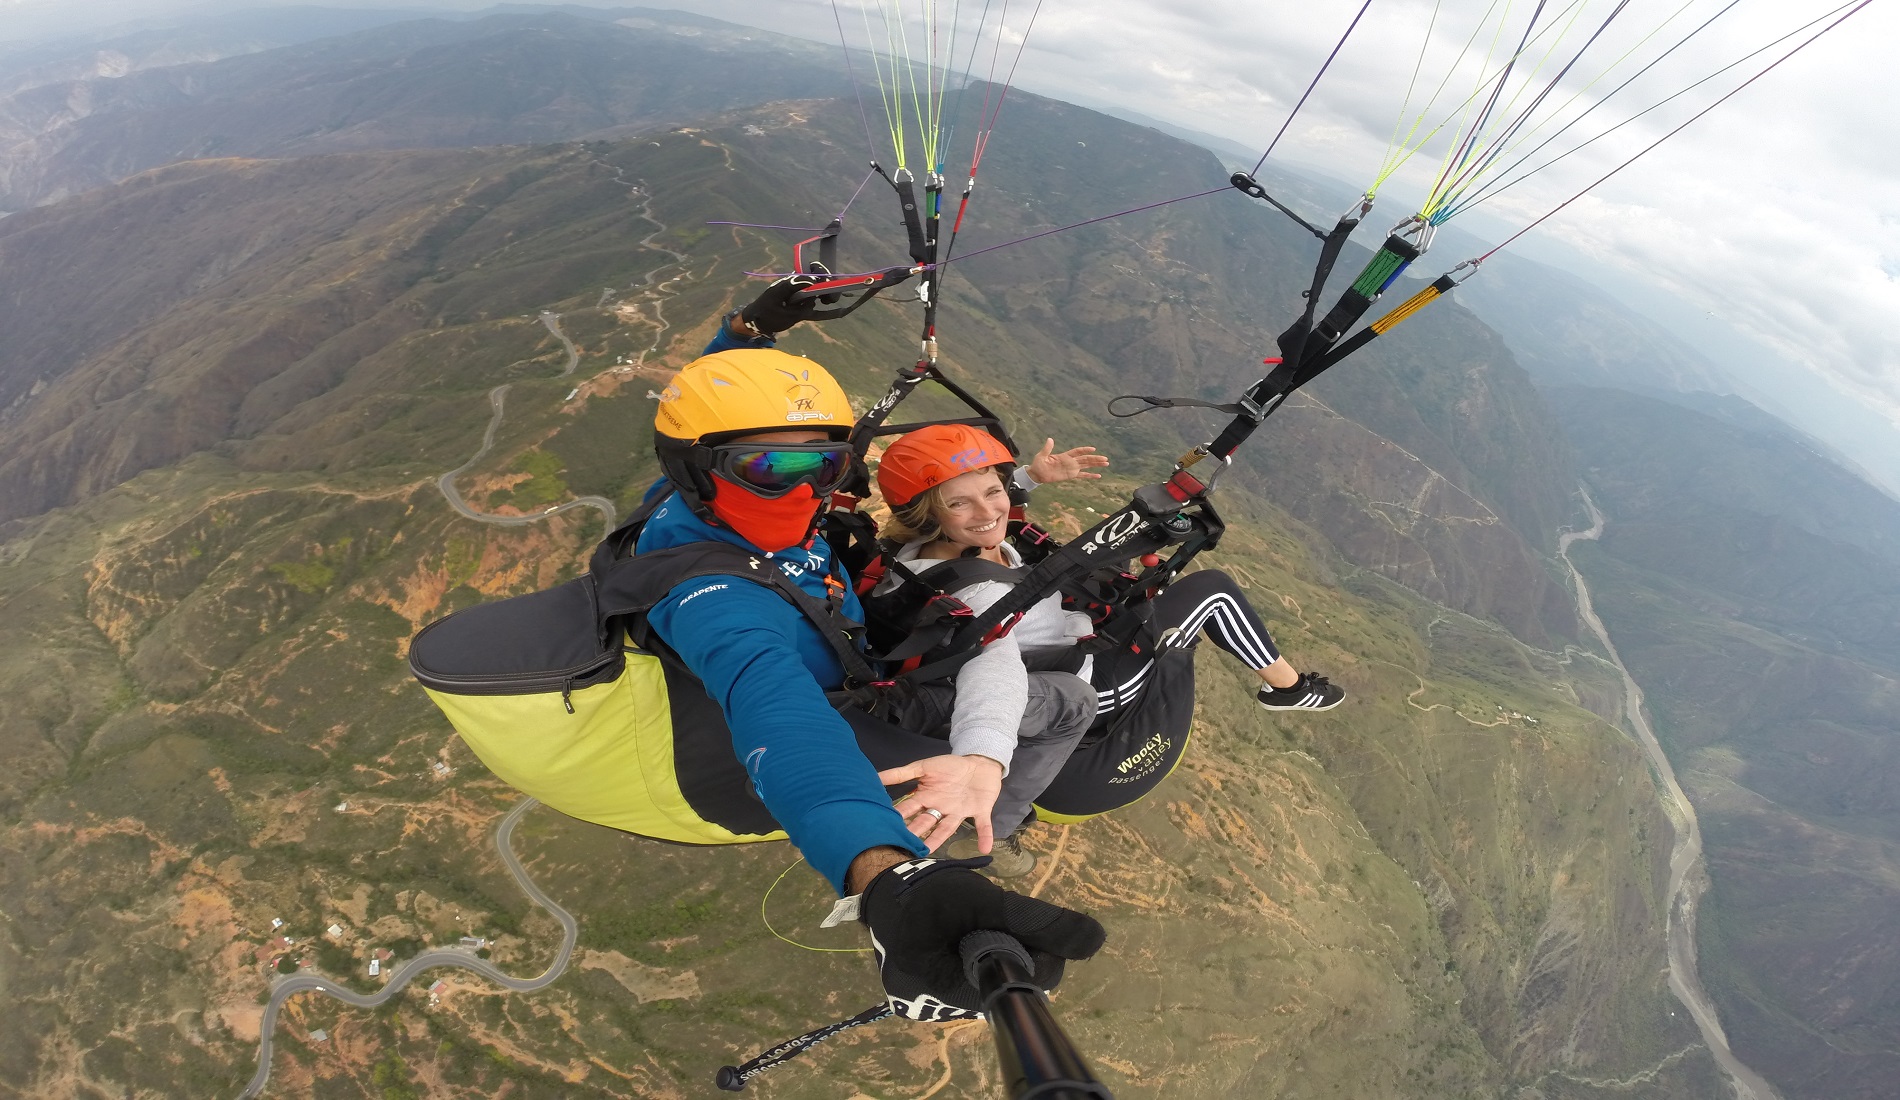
[1209,601]
[1146,692]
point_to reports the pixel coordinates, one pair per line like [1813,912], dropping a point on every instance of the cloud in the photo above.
[1765,213]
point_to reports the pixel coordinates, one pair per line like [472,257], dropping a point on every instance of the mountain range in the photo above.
[251,308]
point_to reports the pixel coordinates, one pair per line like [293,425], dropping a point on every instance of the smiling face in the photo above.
[973,509]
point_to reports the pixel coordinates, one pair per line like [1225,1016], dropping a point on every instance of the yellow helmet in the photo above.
[735,393]
[751,390]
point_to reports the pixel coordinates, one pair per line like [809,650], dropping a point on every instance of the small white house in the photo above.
[375,967]
[276,923]
[343,807]
[319,1036]
[336,930]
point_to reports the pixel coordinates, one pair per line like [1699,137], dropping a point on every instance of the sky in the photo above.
[1778,214]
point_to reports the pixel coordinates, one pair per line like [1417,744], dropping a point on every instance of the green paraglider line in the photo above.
[1473,171]
[857,90]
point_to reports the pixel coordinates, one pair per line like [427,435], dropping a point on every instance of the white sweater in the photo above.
[993,686]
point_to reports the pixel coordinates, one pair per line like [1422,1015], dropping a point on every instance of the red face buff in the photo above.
[770,525]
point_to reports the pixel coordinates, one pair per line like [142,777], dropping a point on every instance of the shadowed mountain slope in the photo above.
[1566,332]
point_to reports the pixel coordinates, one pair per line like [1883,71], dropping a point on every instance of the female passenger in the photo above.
[947,488]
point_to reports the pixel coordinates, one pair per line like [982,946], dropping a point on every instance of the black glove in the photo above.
[773,311]
[918,913]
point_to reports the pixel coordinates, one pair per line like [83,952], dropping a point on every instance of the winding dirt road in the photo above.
[283,988]
[497,400]
[287,987]
[1686,878]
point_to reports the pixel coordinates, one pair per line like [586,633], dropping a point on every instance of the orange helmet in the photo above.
[926,458]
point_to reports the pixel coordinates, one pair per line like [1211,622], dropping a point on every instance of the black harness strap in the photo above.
[1153,403]
[1153,520]
[952,575]
[942,614]
[871,424]
[633,585]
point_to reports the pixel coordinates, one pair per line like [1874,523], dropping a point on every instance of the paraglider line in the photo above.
[1498,145]
[1685,125]
[767,920]
[1460,153]
[1309,89]
[1018,240]
[856,89]
[859,191]
[1495,188]
[1009,81]
[787,228]
[969,67]
[1092,221]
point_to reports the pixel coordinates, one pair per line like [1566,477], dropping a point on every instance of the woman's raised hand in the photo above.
[1075,462]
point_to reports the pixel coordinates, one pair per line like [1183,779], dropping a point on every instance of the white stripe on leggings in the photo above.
[1116,697]
[1249,646]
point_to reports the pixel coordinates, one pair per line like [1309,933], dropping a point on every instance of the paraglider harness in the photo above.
[1163,527]
[568,695]
[642,747]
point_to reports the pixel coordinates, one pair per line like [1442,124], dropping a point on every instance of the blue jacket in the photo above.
[768,669]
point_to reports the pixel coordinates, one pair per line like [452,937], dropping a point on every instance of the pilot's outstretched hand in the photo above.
[920,910]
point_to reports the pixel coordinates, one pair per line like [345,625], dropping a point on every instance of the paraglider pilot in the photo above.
[751,441]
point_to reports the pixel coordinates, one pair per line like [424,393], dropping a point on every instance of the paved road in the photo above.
[1685,882]
[289,986]
[553,322]
[497,400]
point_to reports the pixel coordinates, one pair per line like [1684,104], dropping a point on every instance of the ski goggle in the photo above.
[773,470]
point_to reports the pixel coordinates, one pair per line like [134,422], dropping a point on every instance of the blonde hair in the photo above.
[916,520]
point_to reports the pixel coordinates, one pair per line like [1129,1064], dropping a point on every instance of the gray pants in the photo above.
[1061,706]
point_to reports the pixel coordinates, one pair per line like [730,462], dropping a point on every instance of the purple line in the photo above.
[787,228]
[855,194]
[1091,221]
[1005,244]
[789,274]
[1309,88]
